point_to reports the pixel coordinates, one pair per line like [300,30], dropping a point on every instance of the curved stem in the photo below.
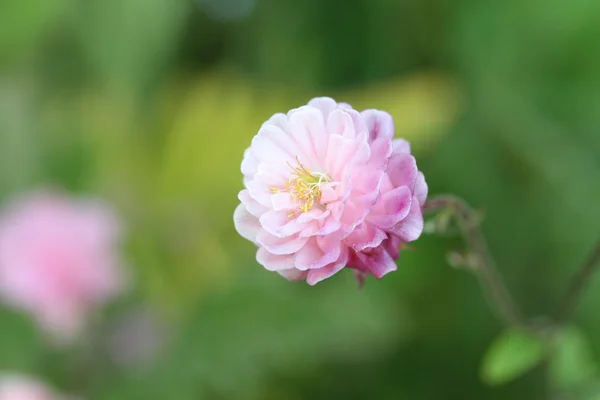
[485,267]
[578,283]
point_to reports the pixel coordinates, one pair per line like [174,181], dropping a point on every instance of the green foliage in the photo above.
[22,24]
[511,355]
[572,364]
[129,43]
[20,345]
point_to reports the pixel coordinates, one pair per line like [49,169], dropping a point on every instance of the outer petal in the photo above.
[277,136]
[392,246]
[368,178]
[393,207]
[340,123]
[293,274]
[274,262]
[252,206]
[421,188]
[412,226]
[317,275]
[365,236]
[278,224]
[312,256]
[401,146]
[249,163]
[325,104]
[307,124]
[402,170]
[379,123]
[267,150]
[378,261]
[343,153]
[245,223]
[280,246]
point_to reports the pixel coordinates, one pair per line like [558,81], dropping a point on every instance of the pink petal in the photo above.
[279,224]
[283,201]
[365,236]
[392,246]
[280,246]
[401,146]
[269,151]
[328,195]
[272,175]
[259,192]
[360,126]
[412,226]
[245,223]
[274,262]
[421,188]
[328,242]
[280,120]
[311,256]
[379,123]
[343,154]
[293,274]
[314,214]
[394,206]
[354,215]
[328,226]
[249,163]
[320,227]
[336,209]
[340,123]
[310,229]
[402,170]
[279,137]
[307,125]
[325,104]
[378,261]
[368,179]
[252,206]
[317,275]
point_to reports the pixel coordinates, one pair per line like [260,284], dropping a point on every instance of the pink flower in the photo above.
[58,259]
[327,187]
[15,387]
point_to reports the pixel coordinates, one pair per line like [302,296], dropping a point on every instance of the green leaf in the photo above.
[511,355]
[572,363]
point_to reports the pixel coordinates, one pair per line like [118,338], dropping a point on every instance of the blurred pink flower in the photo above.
[58,259]
[328,187]
[16,387]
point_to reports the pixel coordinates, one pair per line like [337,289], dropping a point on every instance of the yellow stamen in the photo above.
[304,187]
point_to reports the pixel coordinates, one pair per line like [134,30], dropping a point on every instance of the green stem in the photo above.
[484,267]
[578,283]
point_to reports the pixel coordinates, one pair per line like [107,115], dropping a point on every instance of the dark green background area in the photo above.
[150,103]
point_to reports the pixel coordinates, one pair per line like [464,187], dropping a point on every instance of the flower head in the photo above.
[328,187]
[58,259]
[16,387]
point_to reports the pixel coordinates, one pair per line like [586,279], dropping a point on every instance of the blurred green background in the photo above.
[150,104]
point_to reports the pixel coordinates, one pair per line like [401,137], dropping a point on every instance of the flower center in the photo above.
[304,187]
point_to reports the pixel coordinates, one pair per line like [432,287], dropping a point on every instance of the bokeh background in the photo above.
[150,104]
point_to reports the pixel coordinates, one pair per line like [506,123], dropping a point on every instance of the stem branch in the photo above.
[485,269]
[578,283]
